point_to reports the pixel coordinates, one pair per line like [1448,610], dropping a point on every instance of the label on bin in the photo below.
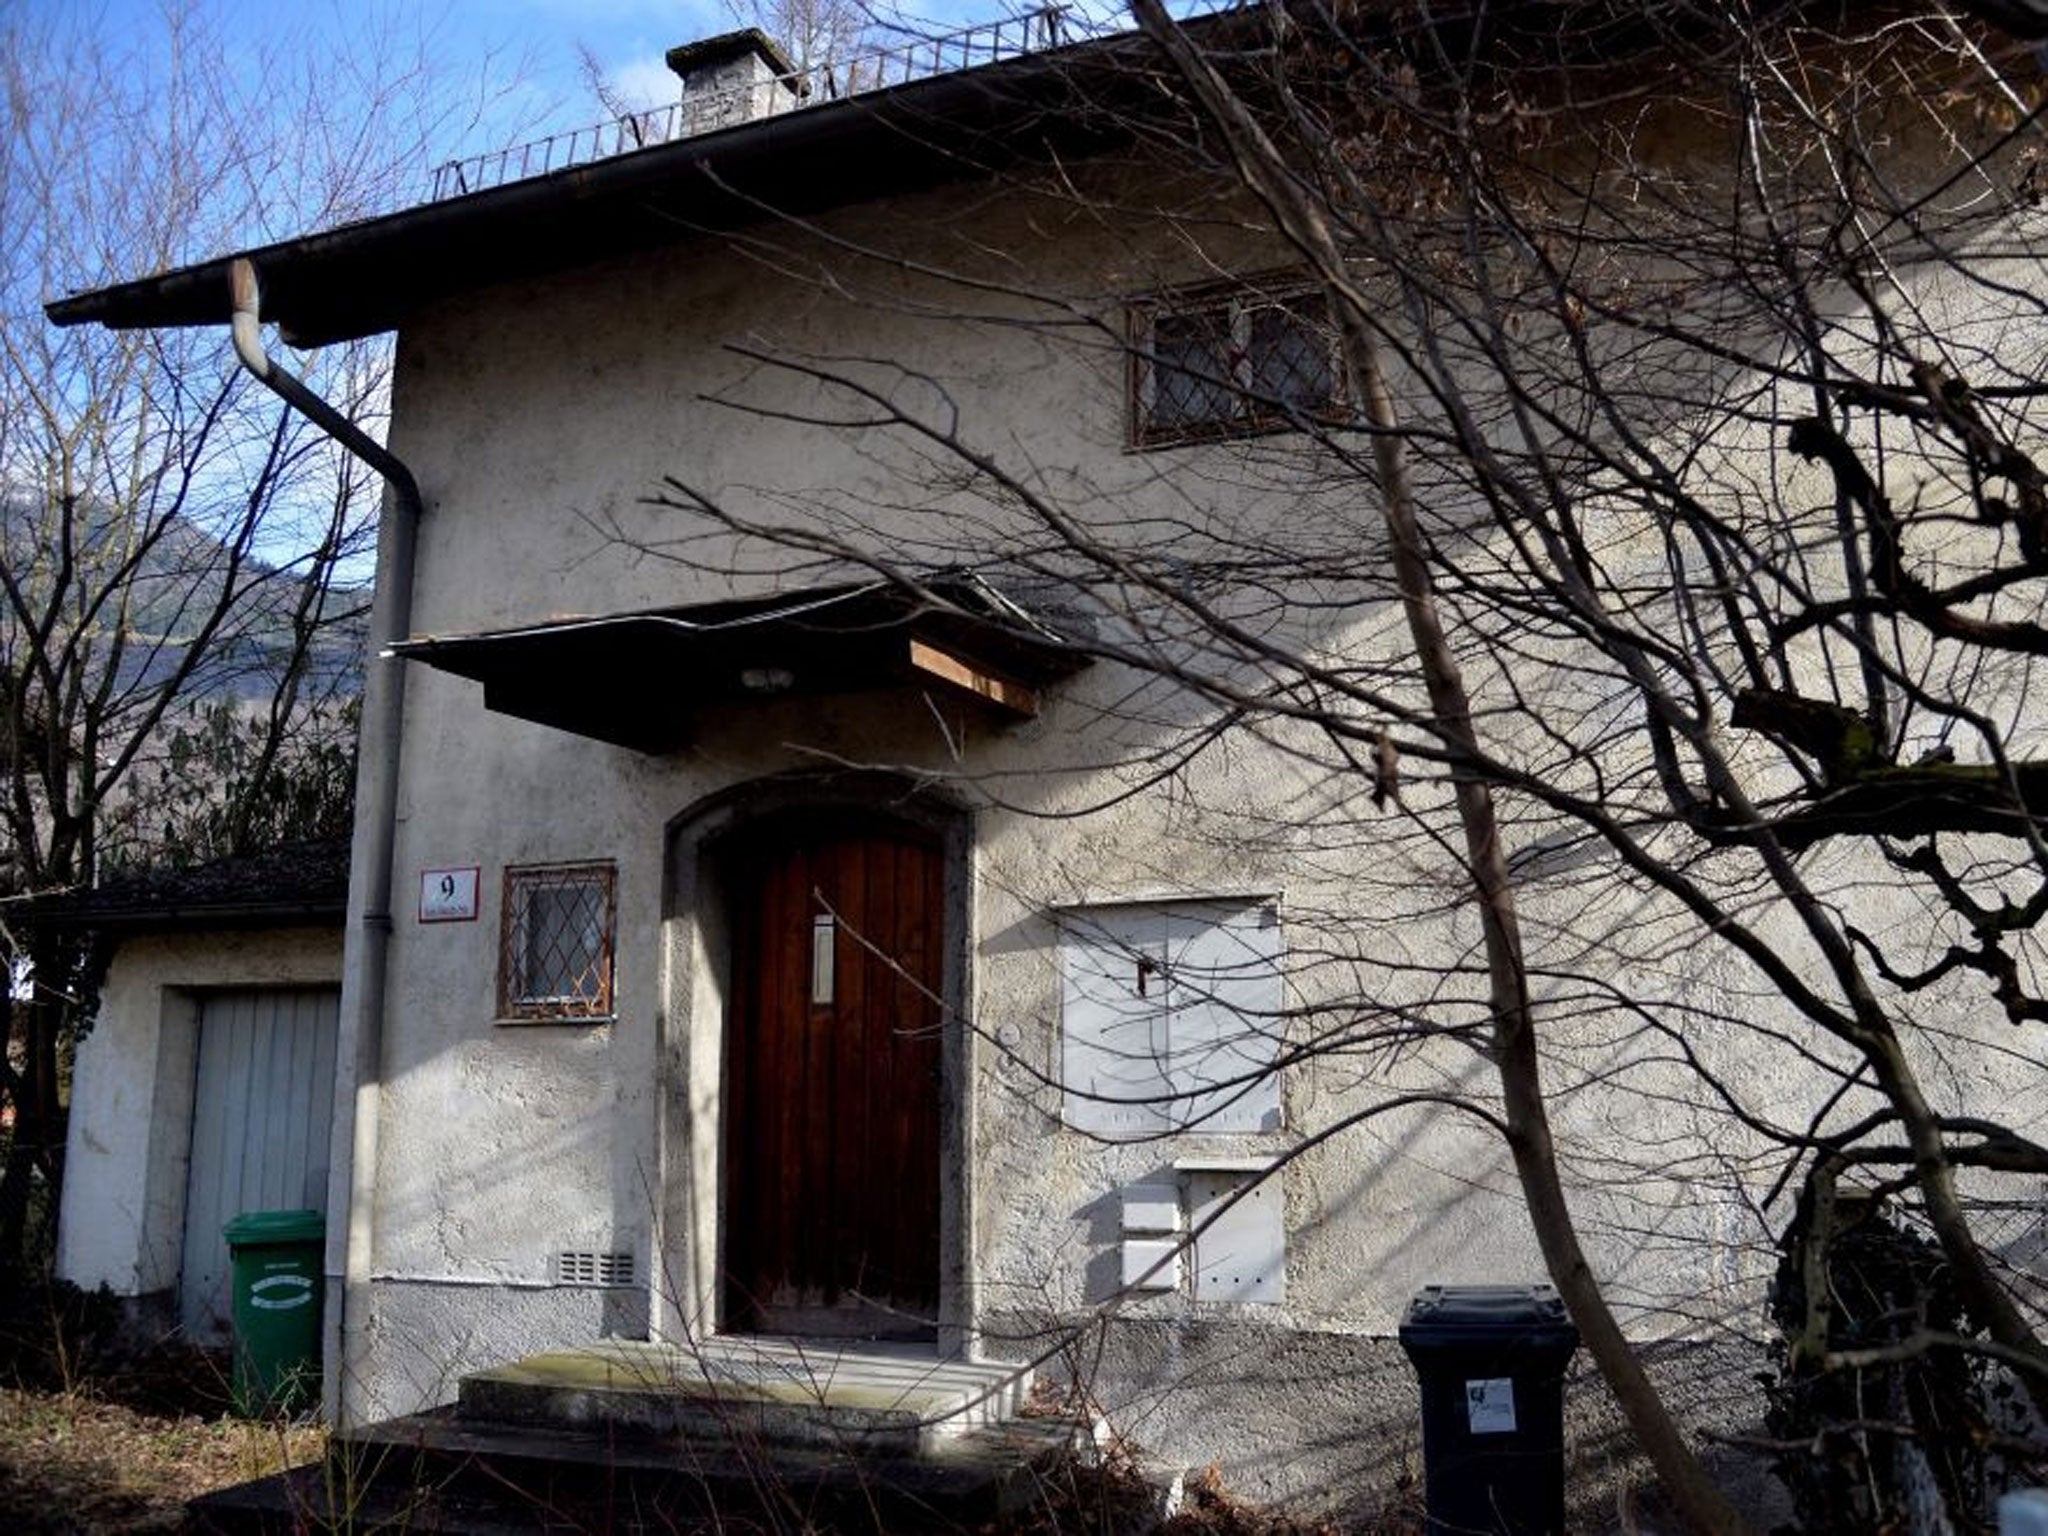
[280,1293]
[1490,1405]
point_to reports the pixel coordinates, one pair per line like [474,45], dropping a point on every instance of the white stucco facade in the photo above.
[536,418]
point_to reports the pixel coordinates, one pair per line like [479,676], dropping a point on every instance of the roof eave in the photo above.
[203,916]
[365,277]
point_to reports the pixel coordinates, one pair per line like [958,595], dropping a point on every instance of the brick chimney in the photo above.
[733,78]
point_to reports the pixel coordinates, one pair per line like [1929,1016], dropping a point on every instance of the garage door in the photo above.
[262,1104]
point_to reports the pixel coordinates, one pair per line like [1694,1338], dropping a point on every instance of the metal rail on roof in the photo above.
[923,58]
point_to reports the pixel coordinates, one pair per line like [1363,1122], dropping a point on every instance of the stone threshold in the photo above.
[876,1399]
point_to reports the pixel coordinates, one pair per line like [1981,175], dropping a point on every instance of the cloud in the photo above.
[644,82]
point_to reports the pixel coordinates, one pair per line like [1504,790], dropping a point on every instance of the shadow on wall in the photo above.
[1342,1413]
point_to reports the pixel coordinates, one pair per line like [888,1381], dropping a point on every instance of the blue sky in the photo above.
[528,50]
[354,103]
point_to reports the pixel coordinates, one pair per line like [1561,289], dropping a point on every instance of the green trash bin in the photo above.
[275,1257]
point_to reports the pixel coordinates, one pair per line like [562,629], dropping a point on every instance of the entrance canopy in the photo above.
[636,679]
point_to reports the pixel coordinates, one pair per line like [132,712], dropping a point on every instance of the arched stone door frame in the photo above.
[696,992]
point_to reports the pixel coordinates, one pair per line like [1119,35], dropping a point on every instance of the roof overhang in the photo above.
[1050,105]
[368,276]
[296,884]
[206,917]
[639,679]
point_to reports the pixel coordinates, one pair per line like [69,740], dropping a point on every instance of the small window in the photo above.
[1228,364]
[556,957]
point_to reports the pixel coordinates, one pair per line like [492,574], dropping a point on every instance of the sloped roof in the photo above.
[367,276]
[1053,103]
[296,883]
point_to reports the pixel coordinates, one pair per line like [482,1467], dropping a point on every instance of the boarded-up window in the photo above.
[1171,1017]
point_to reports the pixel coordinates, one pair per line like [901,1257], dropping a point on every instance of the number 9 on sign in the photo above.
[448,895]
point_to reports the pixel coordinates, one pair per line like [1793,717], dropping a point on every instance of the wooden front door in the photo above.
[832,1082]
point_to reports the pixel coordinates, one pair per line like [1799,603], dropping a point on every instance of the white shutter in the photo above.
[1113,1018]
[1225,1021]
[1171,1018]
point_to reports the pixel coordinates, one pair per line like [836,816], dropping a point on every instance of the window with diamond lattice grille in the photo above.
[555,961]
[1228,364]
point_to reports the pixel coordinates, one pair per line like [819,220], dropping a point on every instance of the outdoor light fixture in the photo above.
[767,679]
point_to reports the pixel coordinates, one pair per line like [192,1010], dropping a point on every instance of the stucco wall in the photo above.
[535,418]
[538,417]
[121,1225]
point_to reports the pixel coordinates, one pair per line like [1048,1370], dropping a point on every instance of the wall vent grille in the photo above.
[581,1267]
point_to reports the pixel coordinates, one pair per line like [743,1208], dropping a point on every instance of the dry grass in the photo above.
[72,1463]
[100,1434]
[97,1436]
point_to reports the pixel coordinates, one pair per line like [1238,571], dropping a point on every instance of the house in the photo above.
[859,841]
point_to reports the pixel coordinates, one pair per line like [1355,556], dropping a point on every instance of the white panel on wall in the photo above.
[1171,1017]
[1241,1252]
[1112,1024]
[263,1103]
[1151,1207]
[1152,1263]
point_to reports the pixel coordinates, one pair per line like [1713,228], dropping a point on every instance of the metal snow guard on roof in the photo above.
[1039,106]
[810,85]
[637,679]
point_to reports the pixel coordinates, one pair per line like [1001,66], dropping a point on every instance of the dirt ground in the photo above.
[102,1434]
[72,1464]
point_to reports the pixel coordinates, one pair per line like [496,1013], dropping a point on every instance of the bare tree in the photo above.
[1681,394]
[172,543]
[816,34]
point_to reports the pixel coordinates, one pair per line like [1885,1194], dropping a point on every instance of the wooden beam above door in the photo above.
[959,673]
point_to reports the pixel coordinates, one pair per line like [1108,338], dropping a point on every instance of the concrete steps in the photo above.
[877,1399]
[736,1434]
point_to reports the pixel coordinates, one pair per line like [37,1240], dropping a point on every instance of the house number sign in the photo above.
[448,895]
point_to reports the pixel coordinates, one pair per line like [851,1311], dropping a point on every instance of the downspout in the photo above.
[359,1063]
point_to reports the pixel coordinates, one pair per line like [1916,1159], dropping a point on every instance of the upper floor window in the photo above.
[556,957]
[1225,363]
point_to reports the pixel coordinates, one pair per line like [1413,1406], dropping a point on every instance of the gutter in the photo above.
[359,1057]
